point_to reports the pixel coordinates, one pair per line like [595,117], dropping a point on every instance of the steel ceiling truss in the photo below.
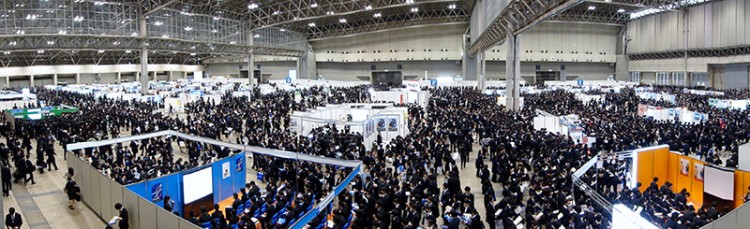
[387,22]
[717,52]
[518,14]
[591,16]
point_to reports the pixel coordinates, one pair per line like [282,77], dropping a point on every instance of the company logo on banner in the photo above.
[433,83]
[412,85]
[157,192]
[238,164]
[642,108]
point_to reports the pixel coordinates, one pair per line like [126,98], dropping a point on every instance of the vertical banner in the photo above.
[698,171]
[225,173]
[381,124]
[393,124]
[684,166]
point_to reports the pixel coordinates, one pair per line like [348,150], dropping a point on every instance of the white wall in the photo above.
[350,71]
[585,71]
[277,69]
[73,69]
[715,24]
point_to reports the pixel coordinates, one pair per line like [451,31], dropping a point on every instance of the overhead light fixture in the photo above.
[311,24]
[40,51]
[158,23]
[342,20]
[252,6]
[368,7]
[330,12]
[276,12]
[409,1]
[214,31]
[216,18]
[128,51]
[621,11]
[62,32]
[50,42]
[6,52]
[256,36]
[98,3]
[20,32]
[188,28]
[232,42]
[78,19]
[100,51]
[12,43]
[452,6]
[116,43]
[192,54]
[314,5]
[592,7]
[377,15]
[134,34]
[414,10]
[282,30]
[165,36]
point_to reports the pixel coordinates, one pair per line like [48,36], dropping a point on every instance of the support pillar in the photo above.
[512,72]
[54,79]
[171,75]
[119,77]
[154,77]
[250,60]
[144,56]
[480,70]
[184,75]
[7,81]
[31,81]
[78,78]
[686,32]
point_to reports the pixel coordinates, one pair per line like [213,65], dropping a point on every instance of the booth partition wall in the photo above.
[100,193]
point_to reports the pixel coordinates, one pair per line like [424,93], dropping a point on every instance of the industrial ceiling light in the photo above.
[188,28]
[368,7]
[6,52]
[452,6]
[128,51]
[621,11]
[214,31]
[256,36]
[158,23]
[216,18]
[100,51]
[12,43]
[342,20]
[409,1]
[62,32]
[78,19]
[165,36]
[311,24]
[377,15]
[192,54]
[282,30]
[50,42]
[40,51]
[252,6]
[276,12]
[232,42]
[592,7]
[330,12]
[414,10]
[313,5]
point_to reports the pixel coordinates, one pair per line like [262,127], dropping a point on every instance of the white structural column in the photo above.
[31,81]
[250,60]
[119,77]
[481,70]
[54,79]
[512,72]
[686,33]
[144,55]
[78,78]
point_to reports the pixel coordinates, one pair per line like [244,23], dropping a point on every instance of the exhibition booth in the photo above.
[706,183]
[734,104]
[15,100]
[203,185]
[569,125]
[681,114]
[368,119]
[401,96]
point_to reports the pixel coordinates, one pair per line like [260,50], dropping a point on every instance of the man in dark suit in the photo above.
[122,220]
[6,176]
[30,168]
[13,219]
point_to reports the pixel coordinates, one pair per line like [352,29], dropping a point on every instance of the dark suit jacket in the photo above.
[13,220]
[123,224]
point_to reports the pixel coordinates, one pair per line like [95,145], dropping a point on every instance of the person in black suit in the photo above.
[204,217]
[122,221]
[73,191]
[13,220]
[168,203]
[30,168]
[6,176]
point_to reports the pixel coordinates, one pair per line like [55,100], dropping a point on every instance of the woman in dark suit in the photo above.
[73,191]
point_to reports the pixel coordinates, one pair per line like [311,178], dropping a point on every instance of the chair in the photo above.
[207,225]
[234,226]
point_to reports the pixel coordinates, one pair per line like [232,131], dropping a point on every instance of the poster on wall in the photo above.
[381,124]
[225,170]
[239,165]
[368,127]
[393,124]
[698,171]
[684,166]
[157,192]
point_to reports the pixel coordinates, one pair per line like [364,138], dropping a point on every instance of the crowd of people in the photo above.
[402,187]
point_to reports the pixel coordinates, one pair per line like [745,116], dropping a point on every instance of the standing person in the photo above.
[122,218]
[13,220]
[168,203]
[74,193]
[6,175]
[70,173]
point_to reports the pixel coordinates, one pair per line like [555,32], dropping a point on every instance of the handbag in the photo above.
[261,175]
